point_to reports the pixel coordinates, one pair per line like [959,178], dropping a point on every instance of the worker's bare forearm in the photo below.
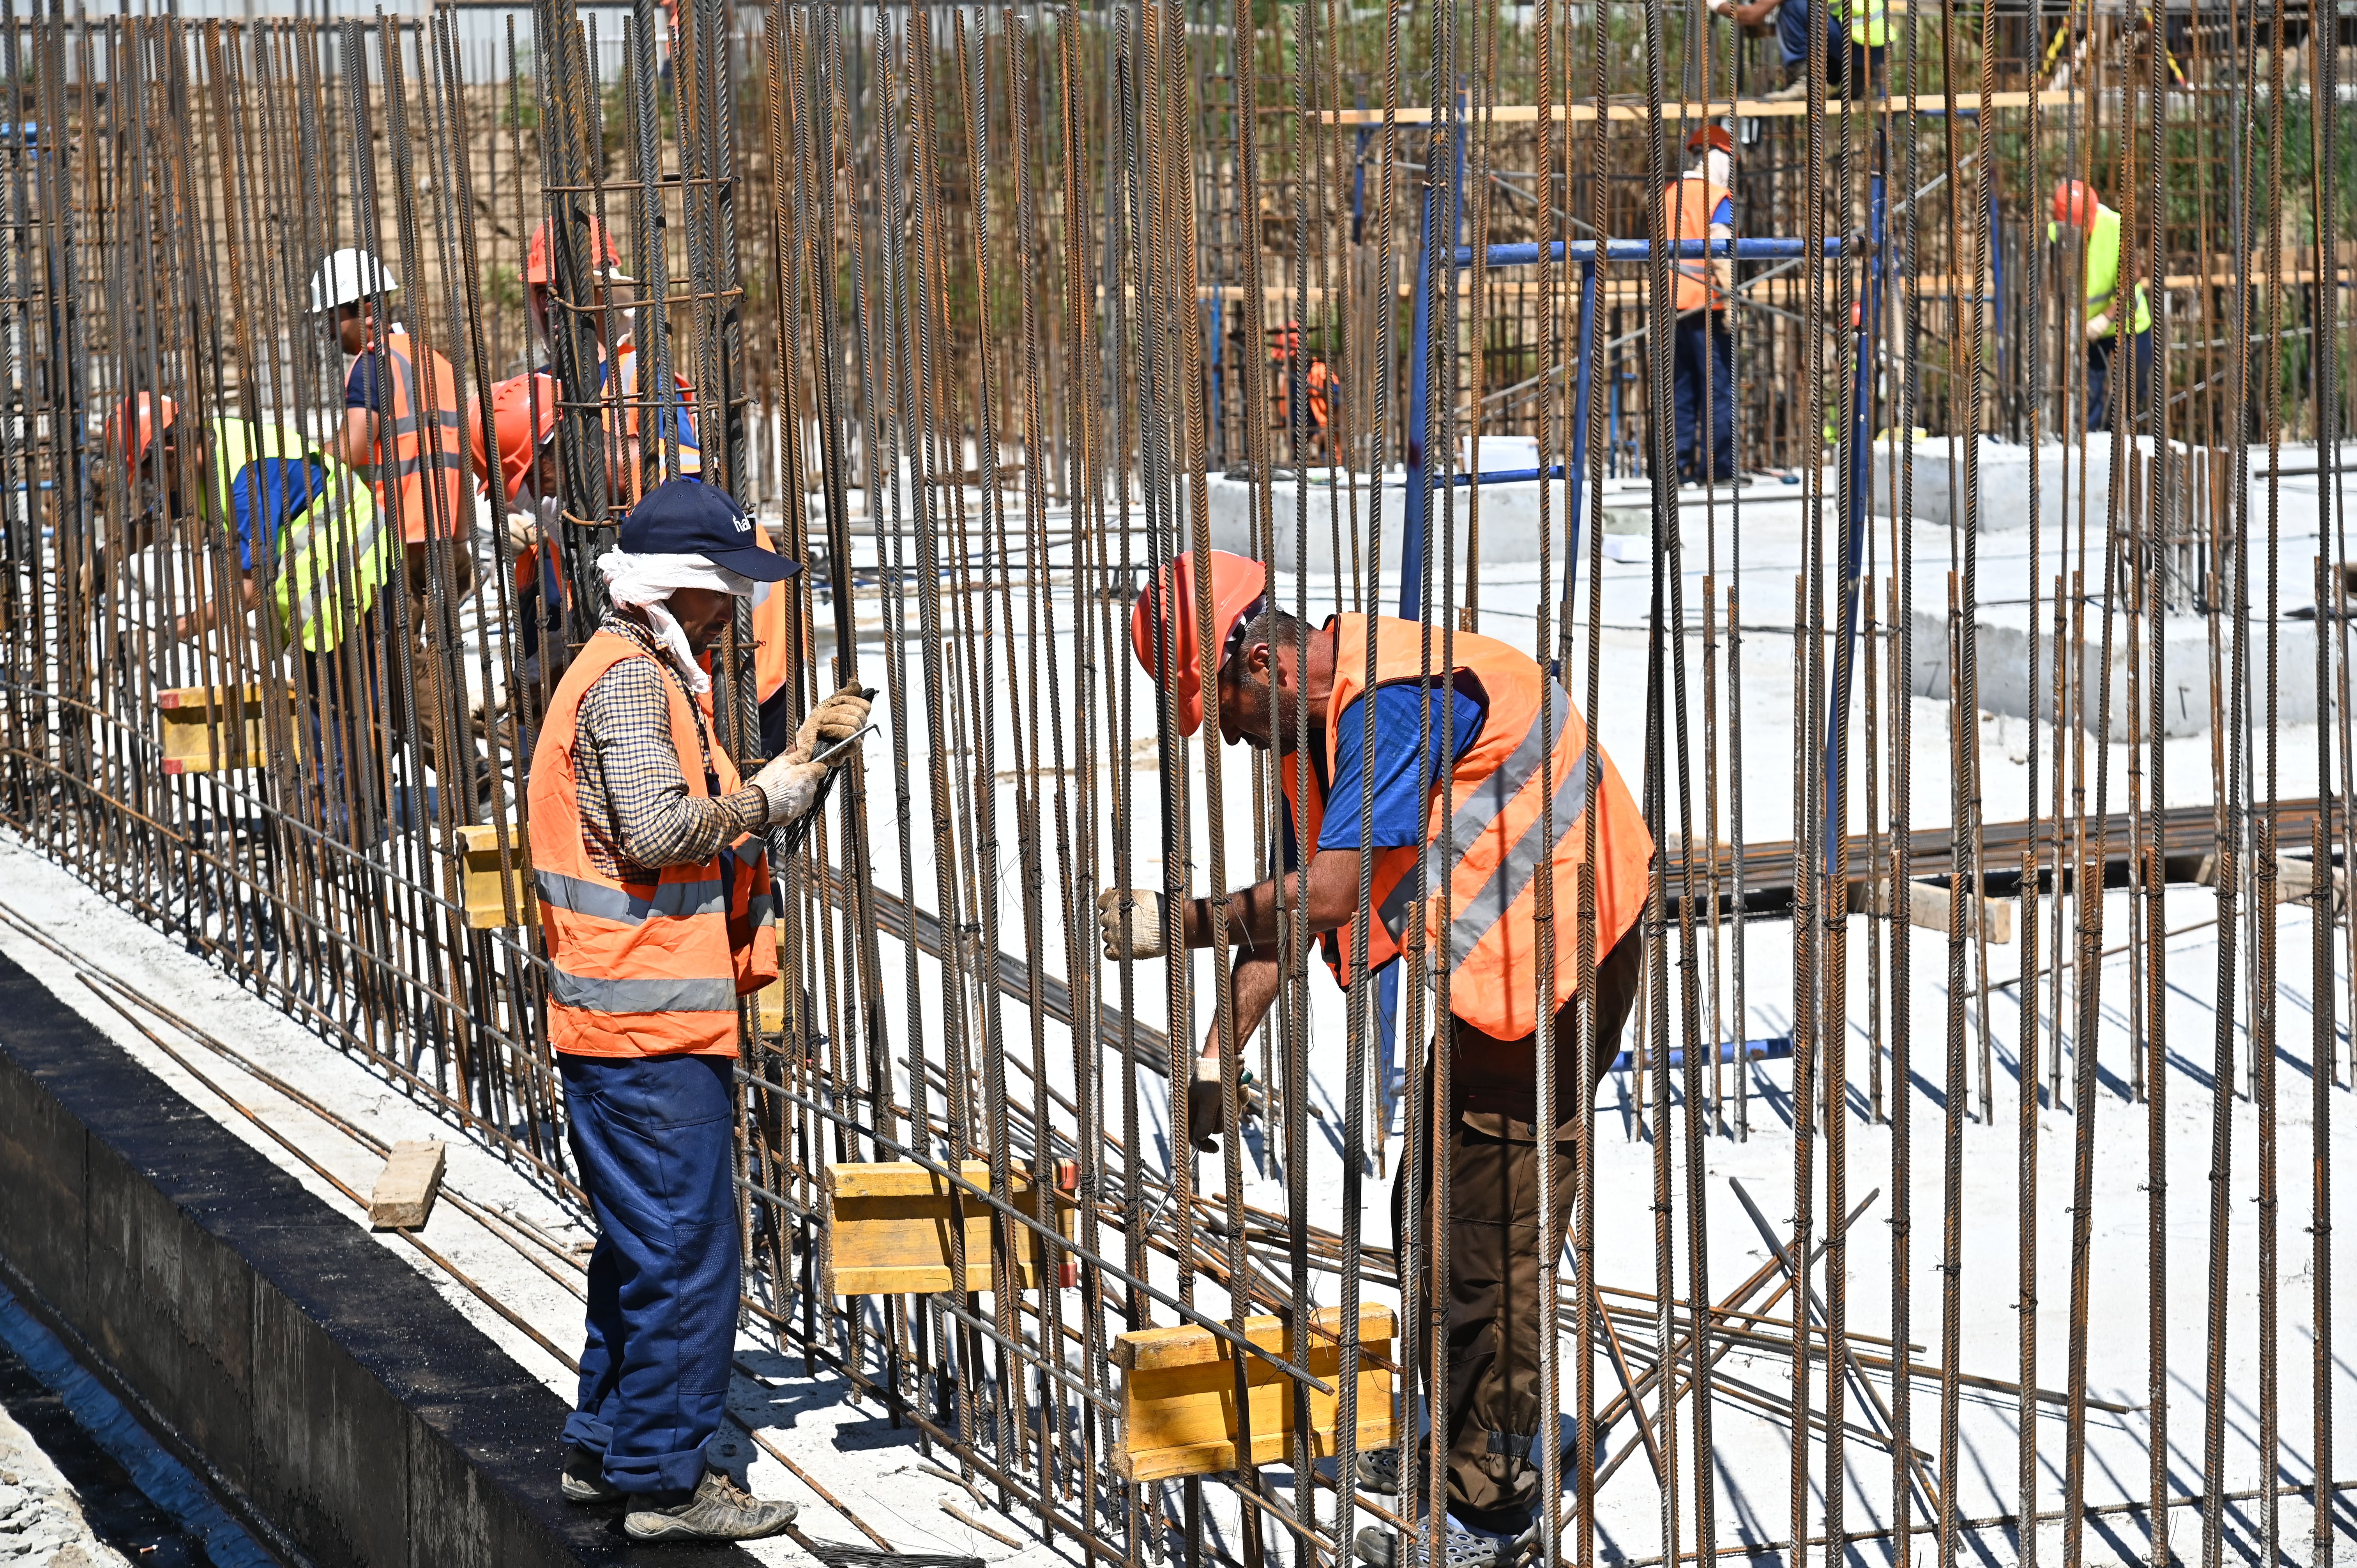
[1252,983]
[1331,885]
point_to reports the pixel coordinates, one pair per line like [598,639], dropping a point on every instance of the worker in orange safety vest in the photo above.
[1493,717]
[656,903]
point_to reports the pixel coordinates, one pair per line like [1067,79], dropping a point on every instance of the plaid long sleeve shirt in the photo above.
[636,815]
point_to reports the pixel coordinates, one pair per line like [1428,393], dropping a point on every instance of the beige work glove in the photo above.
[1207,1115]
[2098,325]
[791,786]
[1135,931]
[523,531]
[833,721]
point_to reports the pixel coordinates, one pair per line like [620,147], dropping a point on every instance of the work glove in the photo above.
[833,721]
[791,786]
[1206,1107]
[523,531]
[2098,325]
[1135,931]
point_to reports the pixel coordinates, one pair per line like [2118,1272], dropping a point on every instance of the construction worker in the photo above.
[624,452]
[1484,773]
[2078,214]
[402,419]
[523,422]
[1698,206]
[1857,36]
[307,539]
[656,904]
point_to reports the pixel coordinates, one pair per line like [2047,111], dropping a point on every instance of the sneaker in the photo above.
[718,1509]
[1379,1548]
[585,1478]
[1379,1471]
[1796,88]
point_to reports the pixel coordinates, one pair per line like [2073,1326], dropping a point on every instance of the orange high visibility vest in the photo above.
[1687,206]
[1320,377]
[1493,809]
[414,453]
[652,967]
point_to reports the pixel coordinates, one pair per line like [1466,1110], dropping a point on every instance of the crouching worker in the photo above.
[1493,717]
[656,904]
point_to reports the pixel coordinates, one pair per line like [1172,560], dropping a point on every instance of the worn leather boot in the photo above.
[718,1509]
[585,1478]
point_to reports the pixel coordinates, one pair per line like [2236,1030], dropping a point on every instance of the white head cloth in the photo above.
[645,583]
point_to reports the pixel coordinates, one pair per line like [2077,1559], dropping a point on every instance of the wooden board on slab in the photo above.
[1178,1394]
[887,1227]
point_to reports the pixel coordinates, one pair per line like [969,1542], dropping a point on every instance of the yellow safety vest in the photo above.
[2104,270]
[1869,24]
[333,554]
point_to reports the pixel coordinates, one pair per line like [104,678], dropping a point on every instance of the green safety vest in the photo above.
[333,556]
[2104,270]
[1870,23]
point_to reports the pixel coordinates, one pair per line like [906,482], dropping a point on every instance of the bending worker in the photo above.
[1699,206]
[655,902]
[2077,213]
[1487,746]
[1858,34]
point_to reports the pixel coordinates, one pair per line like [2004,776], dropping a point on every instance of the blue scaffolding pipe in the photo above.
[1584,250]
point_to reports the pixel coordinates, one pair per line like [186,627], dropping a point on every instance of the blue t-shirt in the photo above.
[370,383]
[263,496]
[1400,816]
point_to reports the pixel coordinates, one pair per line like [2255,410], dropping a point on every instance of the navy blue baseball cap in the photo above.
[688,517]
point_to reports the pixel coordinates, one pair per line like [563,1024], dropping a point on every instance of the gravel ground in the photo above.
[42,1520]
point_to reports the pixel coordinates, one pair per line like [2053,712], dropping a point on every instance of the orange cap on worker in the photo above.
[1237,587]
[523,417]
[607,260]
[131,428]
[2074,204]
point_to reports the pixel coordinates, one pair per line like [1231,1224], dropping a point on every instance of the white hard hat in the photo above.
[349,277]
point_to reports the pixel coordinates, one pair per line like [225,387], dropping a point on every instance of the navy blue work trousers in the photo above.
[2110,375]
[652,1135]
[1700,338]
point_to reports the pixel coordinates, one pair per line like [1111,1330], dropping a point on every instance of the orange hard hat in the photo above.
[523,417]
[1237,585]
[537,265]
[2074,204]
[131,427]
[1712,135]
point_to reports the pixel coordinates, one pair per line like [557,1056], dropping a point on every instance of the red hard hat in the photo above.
[134,421]
[536,264]
[1714,135]
[1237,585]
[2074,204]
[523,417]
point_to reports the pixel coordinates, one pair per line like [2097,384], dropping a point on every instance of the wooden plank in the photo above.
[210,730]
[887,1227]
[1928,907]
[1714,108]
[479,877]
[404,1195]
[1177,1395]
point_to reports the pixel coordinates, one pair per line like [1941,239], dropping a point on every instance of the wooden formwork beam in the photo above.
[887,1227]
[1178,1389]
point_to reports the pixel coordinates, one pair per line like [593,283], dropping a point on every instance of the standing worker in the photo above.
[402,428]
[2078,213]
[1858,34]
[1699,205]
[655,901]
[1487,749]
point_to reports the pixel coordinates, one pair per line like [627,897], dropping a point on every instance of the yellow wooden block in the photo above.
[1178,1394]
[479,877]
[1927,906]
[208,729]
[887,1227]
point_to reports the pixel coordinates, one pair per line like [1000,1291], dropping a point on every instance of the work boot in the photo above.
[1379,1547]
[585,1478]
[717,1510]
[1796,88]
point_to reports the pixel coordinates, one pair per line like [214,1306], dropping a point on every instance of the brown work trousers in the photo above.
[1495,1319]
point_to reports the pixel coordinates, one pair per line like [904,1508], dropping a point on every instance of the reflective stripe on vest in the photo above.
[645,966]
[1869,25]
[1491,940]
